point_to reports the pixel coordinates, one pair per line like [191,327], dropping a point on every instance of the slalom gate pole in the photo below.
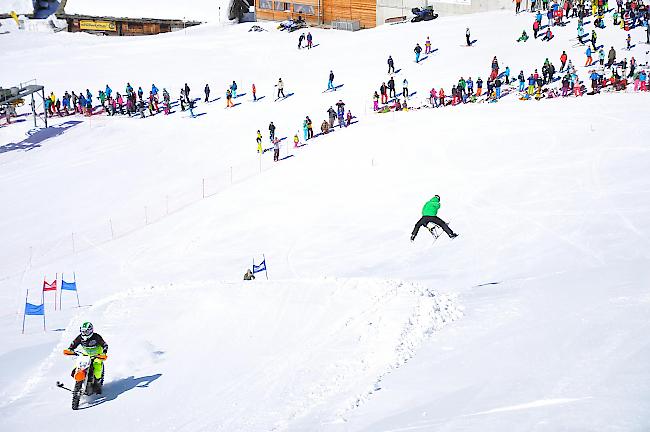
[76,291]
[26,294]
[266,272]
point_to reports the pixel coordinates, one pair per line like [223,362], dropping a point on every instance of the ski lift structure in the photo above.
[13,97]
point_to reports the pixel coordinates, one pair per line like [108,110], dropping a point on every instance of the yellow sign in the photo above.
[97,25]
[15,17]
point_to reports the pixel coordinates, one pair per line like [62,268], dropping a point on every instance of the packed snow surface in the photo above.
[535,318]
[198,10]
[18,6]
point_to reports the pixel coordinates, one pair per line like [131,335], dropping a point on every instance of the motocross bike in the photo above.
[85,381]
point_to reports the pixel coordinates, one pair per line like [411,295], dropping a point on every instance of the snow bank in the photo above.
[196,10]
[18,6]
[216,349]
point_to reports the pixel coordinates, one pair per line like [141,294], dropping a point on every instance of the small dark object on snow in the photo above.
[249,275]
[256,28]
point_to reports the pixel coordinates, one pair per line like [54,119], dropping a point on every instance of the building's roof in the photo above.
[21,7]
[189,10]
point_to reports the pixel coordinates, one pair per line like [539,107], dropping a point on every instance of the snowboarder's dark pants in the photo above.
[391,68]
[391,92]
[280,92]
[424,220]
[468,42]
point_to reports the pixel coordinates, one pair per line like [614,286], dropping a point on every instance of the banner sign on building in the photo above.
[97,25]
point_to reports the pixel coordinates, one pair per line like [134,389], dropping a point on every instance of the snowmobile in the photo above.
[292,25]
[423,14]
[85,381]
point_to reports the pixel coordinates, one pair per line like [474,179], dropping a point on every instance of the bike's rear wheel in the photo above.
[76,394]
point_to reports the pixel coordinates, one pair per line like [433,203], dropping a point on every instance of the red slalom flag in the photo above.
[49,286]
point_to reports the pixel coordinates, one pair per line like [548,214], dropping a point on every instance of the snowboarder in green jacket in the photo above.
[430,214]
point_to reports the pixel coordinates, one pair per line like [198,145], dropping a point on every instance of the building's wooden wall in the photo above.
[363,10]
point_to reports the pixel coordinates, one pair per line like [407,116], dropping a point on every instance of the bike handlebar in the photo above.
[75,353]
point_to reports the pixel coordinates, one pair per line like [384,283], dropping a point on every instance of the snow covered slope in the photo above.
[546,286]
[199,10]
[18,6]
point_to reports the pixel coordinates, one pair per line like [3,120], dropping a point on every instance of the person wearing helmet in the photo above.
[93,344]
[430,214]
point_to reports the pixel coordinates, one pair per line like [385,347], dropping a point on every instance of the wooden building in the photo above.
[369,13]
[319,11]
[112,17]
[122,26]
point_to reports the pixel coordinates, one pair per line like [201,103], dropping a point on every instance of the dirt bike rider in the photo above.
[93,345]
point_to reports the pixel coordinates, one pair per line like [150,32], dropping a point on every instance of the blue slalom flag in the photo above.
[70,286]
[259,268]
[32,309]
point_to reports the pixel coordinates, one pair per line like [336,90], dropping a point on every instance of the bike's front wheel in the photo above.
[76,394]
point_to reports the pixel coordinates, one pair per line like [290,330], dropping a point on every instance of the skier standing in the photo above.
[254,93]
[589,59]
[497,88]
[310,38]
[467,36]
[427,46]
[405,88]
[417,50]
[332,116]
[229,103]
[601,56]
[430,214]
[259,142]
[280,86]
[271,131]
[581,34]
[166,99]
[305,132]
[300,39]
[611,57]
[233,89]
[187,93]
[276,150]
[563,59]
[391,87]
[207,93]
[391,65]
[330,82]
[594,37]
[384,95]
